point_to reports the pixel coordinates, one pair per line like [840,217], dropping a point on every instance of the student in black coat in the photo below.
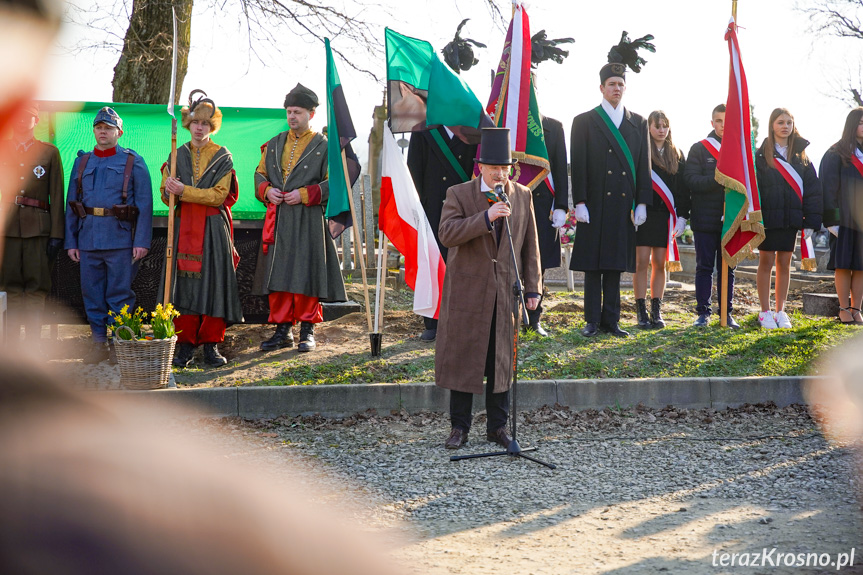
[784,212]
[434,172]
[842,183]
[605,189]
[651,239]
[707,206]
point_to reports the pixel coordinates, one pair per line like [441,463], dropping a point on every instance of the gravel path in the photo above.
[636,491]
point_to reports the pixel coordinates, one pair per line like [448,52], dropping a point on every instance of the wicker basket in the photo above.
[144,364]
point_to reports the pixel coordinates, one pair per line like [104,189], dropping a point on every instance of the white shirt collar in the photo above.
[616,114]
[449,132]
[783,150]
[482,185]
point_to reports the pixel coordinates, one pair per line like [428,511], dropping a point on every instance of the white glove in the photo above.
[679,227]
[581,214]
[558,218]
[640,215]
[807,233]
[834,230]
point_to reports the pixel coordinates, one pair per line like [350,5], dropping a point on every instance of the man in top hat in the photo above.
[611,188]
[33,218]
[298,266]
[205,288]
[476,329]
[109,223]
[438,159]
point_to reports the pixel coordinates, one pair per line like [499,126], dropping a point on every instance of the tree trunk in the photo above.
[143,73]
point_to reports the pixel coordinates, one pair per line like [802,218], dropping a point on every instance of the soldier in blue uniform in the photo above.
[108,225]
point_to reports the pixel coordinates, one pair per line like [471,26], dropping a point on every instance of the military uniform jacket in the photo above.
[102,187]
[478,286]
[40,173]
[303,259]
[544,201]
[433,174]
[601,180]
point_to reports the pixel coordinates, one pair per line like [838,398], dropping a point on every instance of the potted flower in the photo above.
[144,356]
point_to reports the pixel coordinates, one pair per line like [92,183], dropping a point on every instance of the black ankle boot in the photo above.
[281,339]
[183,354]
[641,310]
[212,356]
[656,313]
[307,337]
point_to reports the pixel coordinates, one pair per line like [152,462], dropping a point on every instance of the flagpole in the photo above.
[357,241]
[723,278]
[169,250]
[381,280]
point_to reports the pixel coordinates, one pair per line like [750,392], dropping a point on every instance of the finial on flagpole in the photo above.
[734,10]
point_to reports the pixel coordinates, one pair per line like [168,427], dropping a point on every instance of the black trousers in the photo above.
[496,404]
[602,297]
[708,255]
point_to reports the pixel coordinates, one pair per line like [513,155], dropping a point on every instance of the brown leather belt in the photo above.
[22,201]
[99,211]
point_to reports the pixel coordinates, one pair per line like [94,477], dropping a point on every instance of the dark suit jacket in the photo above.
[433,175]
[544,201]
[601,180]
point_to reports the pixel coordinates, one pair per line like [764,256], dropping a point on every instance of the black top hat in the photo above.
[495,148]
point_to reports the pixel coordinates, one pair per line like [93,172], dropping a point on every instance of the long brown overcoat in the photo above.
[478,283]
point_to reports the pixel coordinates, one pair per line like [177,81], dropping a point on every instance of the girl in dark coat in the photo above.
[790,202]
[651,238]
[842,183]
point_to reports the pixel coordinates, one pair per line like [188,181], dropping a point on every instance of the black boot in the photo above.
[656,313]
[307,337]
[183,354]
[641,311]
[212,356]
[282,338]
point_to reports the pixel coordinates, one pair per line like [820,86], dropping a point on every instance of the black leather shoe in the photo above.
[281,339]
[212,357]
[307,337]
[590,330]
[540,331]
[702,320]
[731,323]
[614,330]
[429,335]
[457,438]
[183,354]
[97,354]
[501,437]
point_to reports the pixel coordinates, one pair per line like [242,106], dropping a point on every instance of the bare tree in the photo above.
[841,19]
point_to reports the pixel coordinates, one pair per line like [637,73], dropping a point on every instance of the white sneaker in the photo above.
[765,318]
[782,320]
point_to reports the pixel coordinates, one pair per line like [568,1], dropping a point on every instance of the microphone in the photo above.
[498,190]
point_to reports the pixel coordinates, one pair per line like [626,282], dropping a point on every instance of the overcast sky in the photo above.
[786,65]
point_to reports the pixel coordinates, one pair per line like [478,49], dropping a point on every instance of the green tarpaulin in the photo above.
[147,130]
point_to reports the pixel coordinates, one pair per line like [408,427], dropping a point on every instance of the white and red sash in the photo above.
[790,175]
[857,160]
[672,255]
[713,145]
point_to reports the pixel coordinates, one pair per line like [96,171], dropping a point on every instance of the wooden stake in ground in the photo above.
[357,240]
[169,250]
[380,289]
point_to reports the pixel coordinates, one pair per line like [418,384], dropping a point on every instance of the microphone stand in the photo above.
[518,308]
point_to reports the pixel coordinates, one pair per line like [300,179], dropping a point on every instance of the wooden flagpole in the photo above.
[169,250]
[357,239]
[383,244]
[723,278]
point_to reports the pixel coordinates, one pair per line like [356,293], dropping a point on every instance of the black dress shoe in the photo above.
[540,331]
[281,339]
[429,335]
[731,323]
[501,437]
[183,354]
[457,438]
[307,337]
[614,330]
[212,357]
[590,330]
[702,320]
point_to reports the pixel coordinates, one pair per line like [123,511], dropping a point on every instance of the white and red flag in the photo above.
[404,222]
[742,228]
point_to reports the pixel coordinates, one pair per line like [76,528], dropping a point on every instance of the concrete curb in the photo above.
[344,400]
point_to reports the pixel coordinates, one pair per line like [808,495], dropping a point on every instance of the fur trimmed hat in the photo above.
[301,97]
[201,109]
